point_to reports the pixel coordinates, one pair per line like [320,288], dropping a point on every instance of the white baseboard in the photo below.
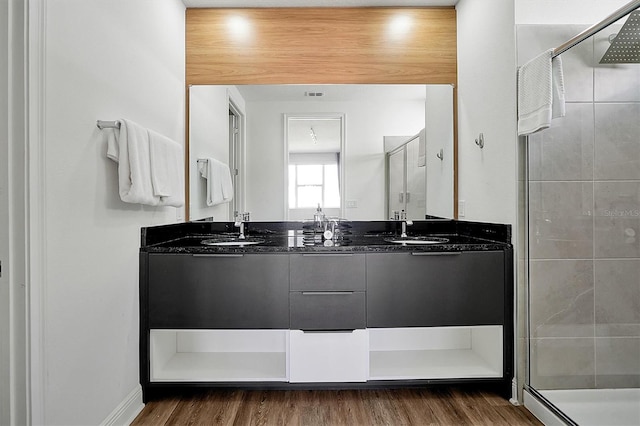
[514,393]
[127,410]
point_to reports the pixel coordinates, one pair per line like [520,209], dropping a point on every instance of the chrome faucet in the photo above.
[241,218]
[405,223]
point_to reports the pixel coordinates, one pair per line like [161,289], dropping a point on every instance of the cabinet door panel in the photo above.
[327,310]
[405,290]
[243,291]
[328,272]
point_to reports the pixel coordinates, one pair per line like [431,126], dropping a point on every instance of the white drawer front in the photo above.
[328,356]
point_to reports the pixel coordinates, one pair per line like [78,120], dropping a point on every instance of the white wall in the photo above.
[564,11]
[487,177]
[106,60]
[439,133]
[208,138]
[366,124]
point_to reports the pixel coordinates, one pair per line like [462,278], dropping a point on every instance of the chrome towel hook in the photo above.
[480,141]
[440,155]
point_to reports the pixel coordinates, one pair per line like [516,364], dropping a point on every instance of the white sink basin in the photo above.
[231,242]
[417,240]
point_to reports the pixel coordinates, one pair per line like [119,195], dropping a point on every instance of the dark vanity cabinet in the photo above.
[218,291]
[440,315]
[328,291]
[372,315]
[435,289]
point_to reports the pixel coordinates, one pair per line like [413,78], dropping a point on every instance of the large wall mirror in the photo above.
[343,131]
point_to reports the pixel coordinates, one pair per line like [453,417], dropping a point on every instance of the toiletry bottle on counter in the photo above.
[318,219]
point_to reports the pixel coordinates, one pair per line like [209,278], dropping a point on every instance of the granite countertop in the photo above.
[284,237]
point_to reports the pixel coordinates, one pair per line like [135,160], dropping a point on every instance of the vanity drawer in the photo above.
[332,310]
[328,356]
[328,272]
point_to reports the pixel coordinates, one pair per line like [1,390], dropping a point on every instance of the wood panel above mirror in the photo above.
[321,45]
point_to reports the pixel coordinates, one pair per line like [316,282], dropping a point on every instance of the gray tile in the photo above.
[618,362]
[617,141]
[577,63]
[617,219]
[614,82]
[617,297]
[562,364]
[564,151]
[560,220]
[617,237]
[561,298]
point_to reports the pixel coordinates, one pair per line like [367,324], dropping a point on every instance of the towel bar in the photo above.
[108,124]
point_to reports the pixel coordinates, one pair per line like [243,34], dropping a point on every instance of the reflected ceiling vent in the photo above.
[625,46]
[314,94]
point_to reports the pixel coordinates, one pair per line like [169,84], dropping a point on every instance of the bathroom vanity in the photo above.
[291,310]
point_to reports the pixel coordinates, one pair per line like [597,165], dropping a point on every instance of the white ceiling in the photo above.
[327,133]
[317,3]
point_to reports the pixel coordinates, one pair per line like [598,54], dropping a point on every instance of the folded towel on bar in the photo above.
[540,93]
[167,169]
[131,152]
[219,184]
[150,166]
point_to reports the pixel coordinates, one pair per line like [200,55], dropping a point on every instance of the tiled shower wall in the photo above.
[584,221]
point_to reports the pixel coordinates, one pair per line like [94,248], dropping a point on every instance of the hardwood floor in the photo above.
[450,405]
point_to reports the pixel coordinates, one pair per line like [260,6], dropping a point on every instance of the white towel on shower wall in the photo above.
[540,93]
[422,148]
[167,169]
[557,84]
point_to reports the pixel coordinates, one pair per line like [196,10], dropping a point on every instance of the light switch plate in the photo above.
[461,208]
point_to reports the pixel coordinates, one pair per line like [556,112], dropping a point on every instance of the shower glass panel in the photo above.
[583,183]
[416,182]
[395,182]
[406,181]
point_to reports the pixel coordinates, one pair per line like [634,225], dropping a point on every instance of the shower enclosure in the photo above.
[583,227]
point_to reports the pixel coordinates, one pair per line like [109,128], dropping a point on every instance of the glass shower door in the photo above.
[584,236]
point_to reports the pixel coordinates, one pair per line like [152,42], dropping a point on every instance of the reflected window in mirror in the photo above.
[314,180]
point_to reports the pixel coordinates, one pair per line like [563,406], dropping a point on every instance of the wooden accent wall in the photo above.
[321,45]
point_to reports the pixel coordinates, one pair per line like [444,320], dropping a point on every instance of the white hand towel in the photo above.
[113,151]
[558,104]
[167,169]
[227,184]
[219,187]
[422,148]
[134,168]
[540,83]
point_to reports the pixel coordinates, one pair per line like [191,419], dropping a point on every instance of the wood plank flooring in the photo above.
[448,405]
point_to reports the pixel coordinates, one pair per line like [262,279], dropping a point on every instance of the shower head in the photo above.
[625,47]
